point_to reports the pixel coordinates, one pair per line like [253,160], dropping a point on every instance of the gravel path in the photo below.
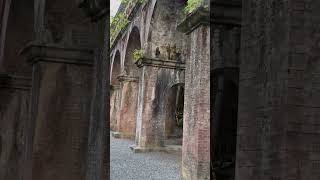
[126,165]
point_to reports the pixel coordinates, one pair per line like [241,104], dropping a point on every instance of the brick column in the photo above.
[279,101]
[60,106]
[196,125]
[156,77]
[114,106]
[126,124]
[14,113]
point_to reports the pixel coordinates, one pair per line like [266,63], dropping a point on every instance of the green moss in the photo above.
[192,5]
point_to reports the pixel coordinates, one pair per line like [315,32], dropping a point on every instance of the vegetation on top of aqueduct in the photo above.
[120,21]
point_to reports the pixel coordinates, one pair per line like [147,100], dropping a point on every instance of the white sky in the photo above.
[114,5]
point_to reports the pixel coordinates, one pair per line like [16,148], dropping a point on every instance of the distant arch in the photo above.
[116,68]
[134,43]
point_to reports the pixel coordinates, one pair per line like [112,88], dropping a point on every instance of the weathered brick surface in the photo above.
[114,107]
[63,111]
[128,108]
[154,90]
[50,137]
[14,111]
[196,129]
[278,100]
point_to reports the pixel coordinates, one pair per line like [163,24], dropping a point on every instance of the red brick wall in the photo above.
[62,121]
[196,129]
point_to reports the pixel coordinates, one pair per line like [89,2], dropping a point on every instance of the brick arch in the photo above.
[17,28]
[133,43]
[115,67]
[161,20]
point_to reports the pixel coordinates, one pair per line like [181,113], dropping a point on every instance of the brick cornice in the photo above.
[58,54]
[125,78]
[168,64]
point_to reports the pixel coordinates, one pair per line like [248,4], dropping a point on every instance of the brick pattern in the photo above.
[13,120]
[114,108]
[63,112]
[196,129]
[154,85]
[128,108]
[278,91]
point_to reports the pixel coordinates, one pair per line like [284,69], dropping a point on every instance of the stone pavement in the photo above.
[126,165]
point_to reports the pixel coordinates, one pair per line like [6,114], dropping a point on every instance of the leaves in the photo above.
[192,5]
[120,21]
[138,54]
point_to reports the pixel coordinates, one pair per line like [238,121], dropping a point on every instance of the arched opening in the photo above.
[116,69]
[134,44]
[166,42]
[16,32]
[174,115]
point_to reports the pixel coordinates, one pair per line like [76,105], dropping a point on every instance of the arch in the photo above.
[16,31]
[116,68]
[134,43]
[173,120]
[161,28]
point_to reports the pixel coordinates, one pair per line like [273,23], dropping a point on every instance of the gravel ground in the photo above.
[126,165]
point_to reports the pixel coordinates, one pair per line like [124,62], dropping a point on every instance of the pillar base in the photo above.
[120,135]
[167,149]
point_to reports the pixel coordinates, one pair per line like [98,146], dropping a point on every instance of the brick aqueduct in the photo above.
[259,58]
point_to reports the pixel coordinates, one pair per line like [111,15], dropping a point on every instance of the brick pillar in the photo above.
[61,99]
[279,101]
[114,106]
[156,78]
[196,125]
[14,113]
[126,124]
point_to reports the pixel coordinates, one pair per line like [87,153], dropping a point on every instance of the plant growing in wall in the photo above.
[138,54]
[192,5]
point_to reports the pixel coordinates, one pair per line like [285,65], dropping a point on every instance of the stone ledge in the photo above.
[125,78]
[58,54]
[169,64]
[167,149]
[114,87]
[120,135]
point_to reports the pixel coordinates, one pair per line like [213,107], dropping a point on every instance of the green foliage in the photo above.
[192,5]
[118,22]
[138,54]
